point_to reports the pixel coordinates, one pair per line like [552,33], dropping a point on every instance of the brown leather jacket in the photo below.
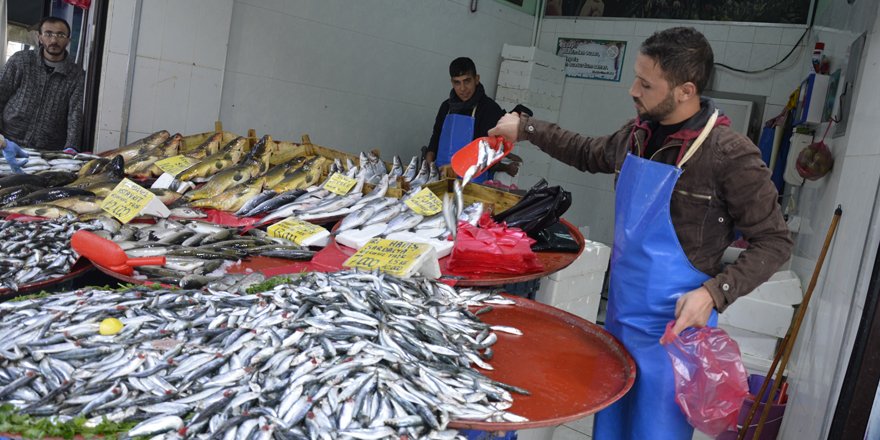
[724,186]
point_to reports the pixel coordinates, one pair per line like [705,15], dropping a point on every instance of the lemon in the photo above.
[110,326]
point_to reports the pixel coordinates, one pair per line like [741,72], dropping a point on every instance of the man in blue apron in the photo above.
[685,181]
[465,116]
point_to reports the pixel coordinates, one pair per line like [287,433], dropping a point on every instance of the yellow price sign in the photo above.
[175,165]
[127,200]
[340,184]
[294,229]
[425,203]
[390,256]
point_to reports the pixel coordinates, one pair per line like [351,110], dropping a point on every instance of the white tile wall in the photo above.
[356,75]
[178,71]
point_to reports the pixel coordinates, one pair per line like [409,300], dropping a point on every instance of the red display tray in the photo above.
[571,367]
[332,257]
[79,268]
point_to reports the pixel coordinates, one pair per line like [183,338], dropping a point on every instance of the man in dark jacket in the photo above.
[41,92]
[467,104]
[685,182]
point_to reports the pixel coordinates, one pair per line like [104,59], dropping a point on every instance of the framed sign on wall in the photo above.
[592,59]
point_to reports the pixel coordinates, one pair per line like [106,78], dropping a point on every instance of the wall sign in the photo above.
[592,59]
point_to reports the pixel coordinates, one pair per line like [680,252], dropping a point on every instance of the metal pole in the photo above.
[129,79]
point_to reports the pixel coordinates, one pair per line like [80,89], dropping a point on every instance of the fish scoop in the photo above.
[108,254]
[478,156]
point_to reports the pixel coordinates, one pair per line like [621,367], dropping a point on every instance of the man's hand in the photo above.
[429,156]
[508,127]
[693,309]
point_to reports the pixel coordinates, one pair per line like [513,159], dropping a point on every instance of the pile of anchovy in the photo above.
[327,356]
[31,252]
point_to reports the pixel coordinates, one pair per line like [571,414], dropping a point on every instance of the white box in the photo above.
[579,296]
[753,344]
[758,316]
[532,53]
[594,259]
[784,287]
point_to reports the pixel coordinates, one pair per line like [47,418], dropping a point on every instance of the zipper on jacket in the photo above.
[696,196]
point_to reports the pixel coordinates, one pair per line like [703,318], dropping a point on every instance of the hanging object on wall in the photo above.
[80,3]
[815,161]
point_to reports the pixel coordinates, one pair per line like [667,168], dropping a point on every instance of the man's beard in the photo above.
[660,111]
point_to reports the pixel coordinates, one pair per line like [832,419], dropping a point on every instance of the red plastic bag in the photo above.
[710,380]
[492,248]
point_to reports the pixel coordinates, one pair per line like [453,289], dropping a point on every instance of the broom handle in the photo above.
[754,409]
[799,318]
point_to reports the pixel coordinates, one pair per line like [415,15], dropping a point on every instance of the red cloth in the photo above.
[492,248]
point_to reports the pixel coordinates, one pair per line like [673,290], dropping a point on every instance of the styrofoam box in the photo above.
[751,343]
[594,259]
[528,97]
[784,287]
[758,316]
[532,53]
[579,296]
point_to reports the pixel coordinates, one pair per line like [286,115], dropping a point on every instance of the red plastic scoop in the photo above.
[108,254]
[468,155]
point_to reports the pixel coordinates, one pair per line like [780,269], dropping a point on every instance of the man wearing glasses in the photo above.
[41,94]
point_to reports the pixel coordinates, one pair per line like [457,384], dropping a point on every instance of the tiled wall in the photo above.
[833,317]
[357,75]
[595,108]
[178,71]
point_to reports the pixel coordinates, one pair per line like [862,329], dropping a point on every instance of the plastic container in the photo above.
[774,418]
[472,434]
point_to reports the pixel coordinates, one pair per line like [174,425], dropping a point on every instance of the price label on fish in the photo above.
[295,230]
[127,200]
[340,184]
[175,165]
[425,203]
[398,258]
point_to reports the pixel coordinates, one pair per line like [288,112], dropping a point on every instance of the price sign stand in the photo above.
[399,258]
[425,203]
[129,200]
[300,232]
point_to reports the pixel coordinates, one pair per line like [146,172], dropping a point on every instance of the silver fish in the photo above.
[411,170]
[403,222]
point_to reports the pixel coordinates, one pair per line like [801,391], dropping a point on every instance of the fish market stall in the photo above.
[346,354]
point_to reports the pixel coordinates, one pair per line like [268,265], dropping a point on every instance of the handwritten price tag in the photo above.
[390,256]
[127,200]
[175,165]
[340,184]
[295,230]
[425,203]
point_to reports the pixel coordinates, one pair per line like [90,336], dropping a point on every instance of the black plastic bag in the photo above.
[555,238]
[542,206]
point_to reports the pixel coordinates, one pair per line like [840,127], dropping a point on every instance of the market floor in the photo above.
[579,430]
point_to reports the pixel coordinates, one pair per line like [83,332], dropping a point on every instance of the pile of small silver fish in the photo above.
[194,250]
[31,252]
[49,161]
[350,355]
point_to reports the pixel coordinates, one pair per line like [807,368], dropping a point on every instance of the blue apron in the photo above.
[457,131]
[649,272]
